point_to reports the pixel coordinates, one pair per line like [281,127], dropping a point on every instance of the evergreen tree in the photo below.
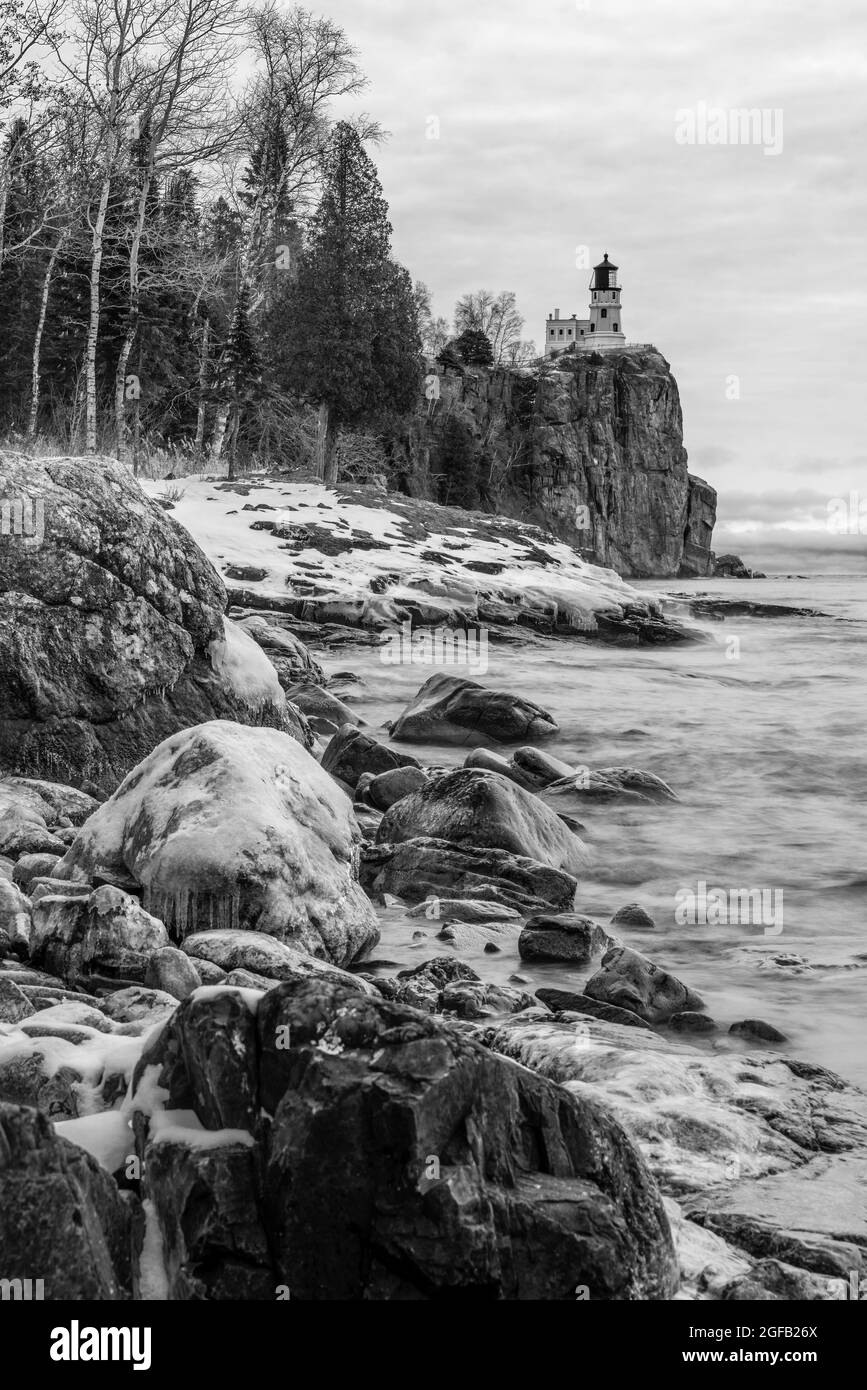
[474,348]
[353,344]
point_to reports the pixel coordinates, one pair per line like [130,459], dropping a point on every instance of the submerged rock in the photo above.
[758,1029]
[423,867]
[631,981]
[451,709]
[563,936]
[225,825]
[481,810]
[635,916]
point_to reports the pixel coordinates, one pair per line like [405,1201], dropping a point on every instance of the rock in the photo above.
[114,636]
[469,999]
[225,825]
[139,1003]
[423,867]
[286,652]
[211,974]
[563,936]
[451,709]
[62,1219]
[389,787]
[66,806]
[603,785]
[22,827]
[325,712]
[376,1146]
[772,1279]
[463,910]
[691,1022]
[245,979]
[490,937]
[758,1029]
[422,987]
[539,768]
[631,981]
[32,866]
[260,955]
[107,933]
[205,1057]
[14,1004]
[481,810]
[633,915]
[23,1081]
[817,1253]
[15,915]
[248,574]
[350,753]
[172,972]
[565,1000]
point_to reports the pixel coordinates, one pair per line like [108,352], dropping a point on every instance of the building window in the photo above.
[561,333]
[582,332]
[605,313]
[617,328]
[568,332]
[593,328]
[553,334]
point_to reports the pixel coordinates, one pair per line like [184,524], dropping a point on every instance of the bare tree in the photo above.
[495,315]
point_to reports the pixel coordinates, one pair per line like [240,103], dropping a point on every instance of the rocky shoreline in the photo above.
[224,1089]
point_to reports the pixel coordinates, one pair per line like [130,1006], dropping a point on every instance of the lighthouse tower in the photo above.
[606,325]
[603,329]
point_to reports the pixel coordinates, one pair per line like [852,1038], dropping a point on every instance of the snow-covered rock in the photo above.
[225,826]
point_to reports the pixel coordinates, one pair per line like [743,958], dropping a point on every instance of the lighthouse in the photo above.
[603,328]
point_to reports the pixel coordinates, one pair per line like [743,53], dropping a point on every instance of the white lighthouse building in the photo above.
[604,327]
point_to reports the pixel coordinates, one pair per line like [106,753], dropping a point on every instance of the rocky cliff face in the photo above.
[590,447]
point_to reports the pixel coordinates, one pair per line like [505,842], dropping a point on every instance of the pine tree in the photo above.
[353,336]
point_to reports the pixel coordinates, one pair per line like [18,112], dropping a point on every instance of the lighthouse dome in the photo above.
[604,275]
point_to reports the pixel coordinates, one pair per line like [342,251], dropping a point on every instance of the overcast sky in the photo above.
[558,130]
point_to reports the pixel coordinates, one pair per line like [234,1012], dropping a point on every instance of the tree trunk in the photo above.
[219,433]
[93,321]
[203,384]
[233,440]
[37,341]
[326,447]
[132,322]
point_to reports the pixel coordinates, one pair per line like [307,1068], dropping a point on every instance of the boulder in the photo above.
[759,1030]
[423,986]
[530,767]
[350,753]
[633,915]
[482,810]
[691,1022]
[463,910]
[171,971]
[562,936]
[286,652]
[389,787]
[62,1218]
[452,709]
[603,785]
[259,954]
[325,713]
[31,866]
[475,999]
[14,1004]
[407,1162]
[15,914]
[631,981]
[24,813]
[230,826]
[567,1001]
[112,630]
[108,933]
[424,867]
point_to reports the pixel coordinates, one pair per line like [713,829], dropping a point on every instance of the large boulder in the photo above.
[229,826]
[483,810]
[389,1156]
[562,936]
[112,629]
[452,709]
[62,1219]
[631,981]
[425,867]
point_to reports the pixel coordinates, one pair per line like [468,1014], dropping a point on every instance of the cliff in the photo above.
[589,447]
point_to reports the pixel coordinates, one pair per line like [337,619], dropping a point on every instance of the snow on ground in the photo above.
[406,546]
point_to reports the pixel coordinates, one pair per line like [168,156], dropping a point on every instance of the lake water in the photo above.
[761,734]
